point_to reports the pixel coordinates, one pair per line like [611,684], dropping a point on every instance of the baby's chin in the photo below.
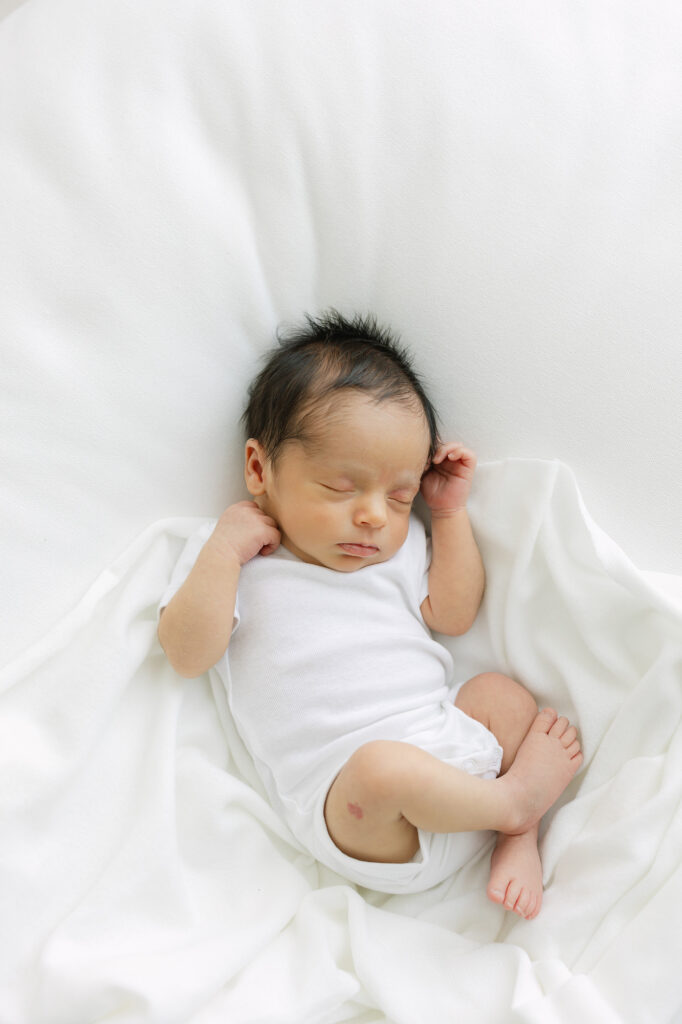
[344,562]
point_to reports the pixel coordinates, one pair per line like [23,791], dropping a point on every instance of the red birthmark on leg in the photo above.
[355,810]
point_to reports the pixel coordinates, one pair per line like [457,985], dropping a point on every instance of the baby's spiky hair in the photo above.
[320,357]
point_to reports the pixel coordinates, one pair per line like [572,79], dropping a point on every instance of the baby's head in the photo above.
[340,432]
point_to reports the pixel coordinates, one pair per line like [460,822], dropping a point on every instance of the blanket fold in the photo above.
[143,878]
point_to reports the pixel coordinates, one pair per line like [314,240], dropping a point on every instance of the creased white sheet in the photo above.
[500,182]
[143,880]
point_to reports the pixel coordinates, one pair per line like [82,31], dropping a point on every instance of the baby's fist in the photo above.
[244,531]
[446,485]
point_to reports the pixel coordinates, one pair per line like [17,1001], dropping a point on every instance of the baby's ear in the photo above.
[255,471]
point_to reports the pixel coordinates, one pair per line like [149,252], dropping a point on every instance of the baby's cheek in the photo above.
[329,514]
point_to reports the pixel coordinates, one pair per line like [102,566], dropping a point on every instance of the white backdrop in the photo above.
[502,183]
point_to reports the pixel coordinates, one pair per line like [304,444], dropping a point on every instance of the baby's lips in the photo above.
[359,549]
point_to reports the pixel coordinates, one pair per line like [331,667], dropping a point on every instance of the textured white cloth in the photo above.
[500,182]
[143,881]
[319,663]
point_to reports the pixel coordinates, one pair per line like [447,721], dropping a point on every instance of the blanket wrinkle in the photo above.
[144,879]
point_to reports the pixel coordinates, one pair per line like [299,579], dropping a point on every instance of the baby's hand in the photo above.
[244,531]
[446,484]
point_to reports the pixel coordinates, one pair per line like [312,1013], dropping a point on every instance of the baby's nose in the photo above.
[371,512]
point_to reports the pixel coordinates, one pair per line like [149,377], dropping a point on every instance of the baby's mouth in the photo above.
[359,550]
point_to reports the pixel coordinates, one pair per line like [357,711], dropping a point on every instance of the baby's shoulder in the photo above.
[416,543]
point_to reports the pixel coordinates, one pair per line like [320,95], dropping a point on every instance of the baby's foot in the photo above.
[516,874]
[545,763]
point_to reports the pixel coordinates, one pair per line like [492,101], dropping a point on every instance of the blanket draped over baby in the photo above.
[143,876]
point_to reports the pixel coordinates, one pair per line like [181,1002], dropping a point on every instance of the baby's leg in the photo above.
[503,706]
[508,710]
[387,790]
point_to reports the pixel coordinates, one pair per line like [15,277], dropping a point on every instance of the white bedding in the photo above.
[503,184]
[145,880]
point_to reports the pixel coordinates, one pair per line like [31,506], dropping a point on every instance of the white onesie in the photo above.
[320,662]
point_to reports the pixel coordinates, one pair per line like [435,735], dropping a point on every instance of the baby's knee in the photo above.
[504,706]
[490,693]
[515,696]
[376,767]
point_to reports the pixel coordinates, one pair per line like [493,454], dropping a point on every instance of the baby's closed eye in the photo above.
[403,497]
[339,488]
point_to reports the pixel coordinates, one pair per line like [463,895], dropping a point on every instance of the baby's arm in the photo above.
[456,576]
[195,627]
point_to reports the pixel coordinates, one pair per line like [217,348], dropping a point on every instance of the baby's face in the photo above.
[347,504]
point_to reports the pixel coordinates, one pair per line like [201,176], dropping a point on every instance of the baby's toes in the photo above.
[544,720]
[533,906]
[494,893]
[559,727]
[574,750]
[514,890]
[570,742]
[523,903]
[570,736]
[576,756]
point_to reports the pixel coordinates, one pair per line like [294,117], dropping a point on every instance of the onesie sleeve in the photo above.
[184,564]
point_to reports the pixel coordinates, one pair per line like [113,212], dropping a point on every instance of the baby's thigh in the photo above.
[503,706]
[362,809]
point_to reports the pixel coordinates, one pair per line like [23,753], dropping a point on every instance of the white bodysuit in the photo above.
[319,663]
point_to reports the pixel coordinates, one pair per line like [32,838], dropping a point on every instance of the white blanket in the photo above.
[500,182]
[145,879]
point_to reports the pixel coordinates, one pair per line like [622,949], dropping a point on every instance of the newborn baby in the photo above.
[315,603]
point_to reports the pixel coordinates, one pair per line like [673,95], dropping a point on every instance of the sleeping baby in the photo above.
[315,602]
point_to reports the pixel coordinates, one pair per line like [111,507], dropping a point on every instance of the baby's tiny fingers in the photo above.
[447,451]
[466,456]
[272,544]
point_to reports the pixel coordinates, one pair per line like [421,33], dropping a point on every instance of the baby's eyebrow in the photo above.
[407,483]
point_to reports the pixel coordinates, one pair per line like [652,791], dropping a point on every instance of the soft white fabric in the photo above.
[319,663]
[501,182]
[145,877]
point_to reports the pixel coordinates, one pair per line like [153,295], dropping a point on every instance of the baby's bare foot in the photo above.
[544,765]
[516,874]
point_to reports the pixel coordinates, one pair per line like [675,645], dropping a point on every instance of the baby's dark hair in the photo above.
[318,358]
